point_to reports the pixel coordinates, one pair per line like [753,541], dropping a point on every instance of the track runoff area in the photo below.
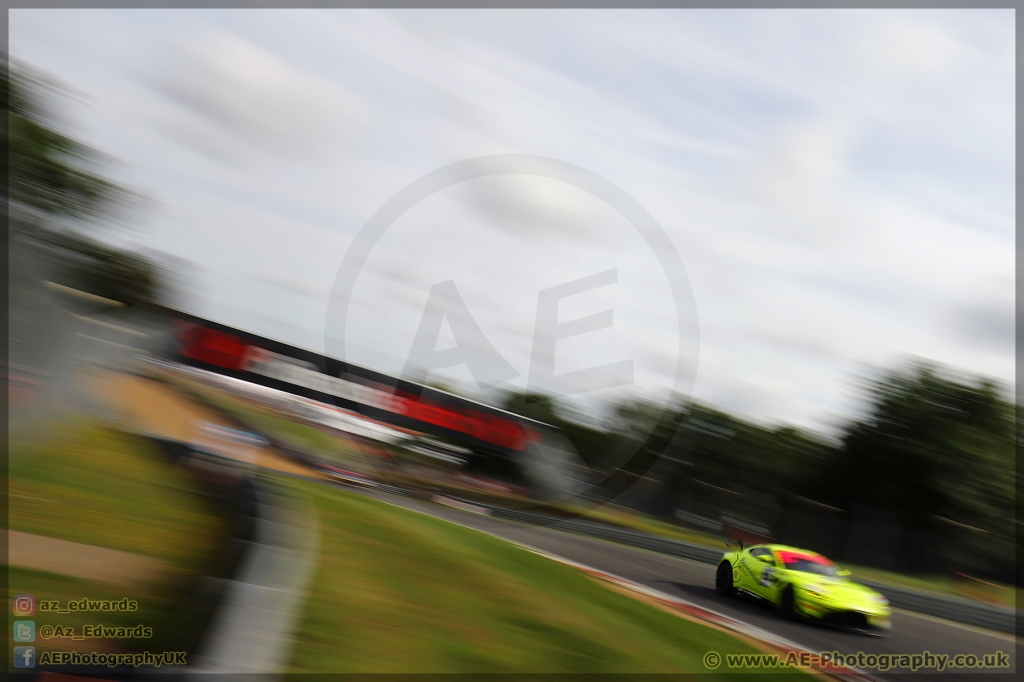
[917,643]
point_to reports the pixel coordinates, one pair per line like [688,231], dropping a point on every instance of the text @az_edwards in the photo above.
[881,662]
[95,632]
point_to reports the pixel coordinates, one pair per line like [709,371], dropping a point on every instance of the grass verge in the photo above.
[88,484]
[401,592]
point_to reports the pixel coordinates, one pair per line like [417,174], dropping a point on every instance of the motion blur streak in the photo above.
[184,187]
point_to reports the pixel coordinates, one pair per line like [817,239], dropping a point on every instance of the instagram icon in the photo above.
[24,605]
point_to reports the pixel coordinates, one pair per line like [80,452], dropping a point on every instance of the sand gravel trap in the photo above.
[150,407]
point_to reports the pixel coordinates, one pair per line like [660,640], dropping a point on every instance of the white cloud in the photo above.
[905,48]
[242,97]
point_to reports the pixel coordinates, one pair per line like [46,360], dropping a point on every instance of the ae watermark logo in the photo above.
[568,304]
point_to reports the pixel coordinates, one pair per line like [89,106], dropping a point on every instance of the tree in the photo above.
[599,448]
[51,175]
[939,452]
[56,188]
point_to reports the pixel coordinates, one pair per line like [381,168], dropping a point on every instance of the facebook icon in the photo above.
[24,657]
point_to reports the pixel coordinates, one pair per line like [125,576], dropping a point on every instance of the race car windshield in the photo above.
[811,567]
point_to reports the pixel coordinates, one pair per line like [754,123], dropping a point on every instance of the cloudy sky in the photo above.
[838,185]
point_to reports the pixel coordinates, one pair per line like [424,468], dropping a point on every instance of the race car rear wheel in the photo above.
[723,580]
[786,605]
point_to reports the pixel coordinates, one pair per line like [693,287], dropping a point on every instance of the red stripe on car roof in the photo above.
[789,557]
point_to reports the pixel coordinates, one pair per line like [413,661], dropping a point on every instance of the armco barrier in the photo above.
[654,543]
[272,553]
[253,628]
[1002,619]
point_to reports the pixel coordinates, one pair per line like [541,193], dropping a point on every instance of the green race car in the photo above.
[801,583]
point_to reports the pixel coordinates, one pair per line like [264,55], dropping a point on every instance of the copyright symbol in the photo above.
[712,659]
[46,631]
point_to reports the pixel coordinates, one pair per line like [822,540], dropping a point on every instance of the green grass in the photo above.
[290,430]
[87,483]
[628,518]
[401,592]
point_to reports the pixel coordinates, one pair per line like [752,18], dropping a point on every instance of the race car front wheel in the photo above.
[723,580]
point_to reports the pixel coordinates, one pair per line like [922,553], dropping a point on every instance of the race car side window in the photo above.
[761,551]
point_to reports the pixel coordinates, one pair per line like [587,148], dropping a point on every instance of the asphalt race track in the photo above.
[911,634]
